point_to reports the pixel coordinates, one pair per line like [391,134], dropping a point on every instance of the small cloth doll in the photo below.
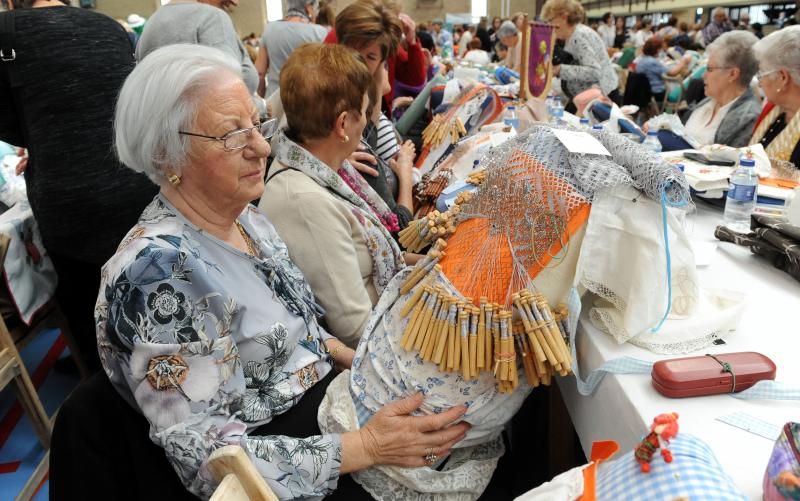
[664,428]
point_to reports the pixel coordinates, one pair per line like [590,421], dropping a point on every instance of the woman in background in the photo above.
[778,127]
[592,66]
[337,234]
[729,112]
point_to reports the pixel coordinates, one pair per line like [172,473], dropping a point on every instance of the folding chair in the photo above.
[12,370]
[637,91]
[237,476]
[673,95]
[14,336]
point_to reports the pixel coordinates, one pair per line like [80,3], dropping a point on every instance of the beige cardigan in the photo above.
[326,242]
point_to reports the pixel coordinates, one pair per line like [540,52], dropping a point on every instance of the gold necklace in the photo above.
[251,245]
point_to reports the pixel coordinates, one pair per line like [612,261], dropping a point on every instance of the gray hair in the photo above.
[780,50]
[735,50]
[300,5]
[507,29]
[158,99]
[719,9]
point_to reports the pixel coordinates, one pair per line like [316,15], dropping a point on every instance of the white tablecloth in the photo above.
[623,406]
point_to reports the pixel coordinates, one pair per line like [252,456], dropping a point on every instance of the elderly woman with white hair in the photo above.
[509,35]
[204,324]
[729,112]
[778,127]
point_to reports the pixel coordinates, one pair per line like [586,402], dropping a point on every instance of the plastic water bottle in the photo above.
[651,142]
[510,117]
[584,124]
[557,112]
[549,104]
[741,196]
[597,127]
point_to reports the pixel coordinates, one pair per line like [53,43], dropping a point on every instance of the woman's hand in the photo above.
[23,161]
[393,437]
[403,166]
[407,152]
[403,163]
[411,258]
[402,102]
[556,70]
[409,28]
[359,160]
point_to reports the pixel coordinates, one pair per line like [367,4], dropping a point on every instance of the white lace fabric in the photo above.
[463,477]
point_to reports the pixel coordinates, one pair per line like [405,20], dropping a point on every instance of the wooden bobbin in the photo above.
[411,328]
[463,331]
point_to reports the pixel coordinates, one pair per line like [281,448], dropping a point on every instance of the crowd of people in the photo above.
[223,212]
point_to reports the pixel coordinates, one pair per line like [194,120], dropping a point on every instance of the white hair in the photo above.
[780,50]
[158,99]
[507,29]
[735,50]
[719,9]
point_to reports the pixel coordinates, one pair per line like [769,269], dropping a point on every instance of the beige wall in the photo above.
[686,6]
[248,17]
[120,9]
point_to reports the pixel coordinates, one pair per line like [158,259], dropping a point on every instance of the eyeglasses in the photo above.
[236,140]
[760,76]
[715,68]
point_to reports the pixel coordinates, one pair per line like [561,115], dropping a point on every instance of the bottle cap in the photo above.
[680,167]
[652,133]
[597,127]
[747,162]
[584,121]
[512,108]
[557,98]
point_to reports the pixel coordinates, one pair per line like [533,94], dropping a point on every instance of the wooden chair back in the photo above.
[238,477]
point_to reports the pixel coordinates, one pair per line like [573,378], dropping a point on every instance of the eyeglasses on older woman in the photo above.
[236,140]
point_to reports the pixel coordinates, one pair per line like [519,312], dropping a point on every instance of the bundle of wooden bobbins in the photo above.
[441,128]
[429,190]
[541,337]
[422,232]
[477,177]
[460,337]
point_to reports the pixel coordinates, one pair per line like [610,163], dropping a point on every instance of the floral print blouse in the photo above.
[209,342]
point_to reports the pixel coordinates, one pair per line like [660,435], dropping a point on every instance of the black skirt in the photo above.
[101,447]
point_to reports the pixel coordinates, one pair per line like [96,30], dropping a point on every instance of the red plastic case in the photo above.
[702,375]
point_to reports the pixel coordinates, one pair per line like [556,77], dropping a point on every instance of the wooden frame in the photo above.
[238,477]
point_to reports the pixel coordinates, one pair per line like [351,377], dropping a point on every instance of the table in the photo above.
[623,406]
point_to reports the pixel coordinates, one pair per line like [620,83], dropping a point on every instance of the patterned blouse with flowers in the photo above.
[210,343]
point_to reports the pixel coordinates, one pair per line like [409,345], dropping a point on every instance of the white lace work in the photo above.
[463,478]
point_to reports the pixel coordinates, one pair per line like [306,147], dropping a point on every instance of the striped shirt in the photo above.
[387,145]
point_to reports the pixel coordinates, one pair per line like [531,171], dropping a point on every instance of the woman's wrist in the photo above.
[355,455]
[341,354]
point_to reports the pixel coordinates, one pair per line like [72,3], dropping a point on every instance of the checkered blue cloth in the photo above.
[694,473]
[769,390]
[362,413]
[622,365]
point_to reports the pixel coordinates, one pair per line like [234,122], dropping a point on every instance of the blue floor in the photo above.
[22,445]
